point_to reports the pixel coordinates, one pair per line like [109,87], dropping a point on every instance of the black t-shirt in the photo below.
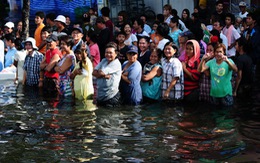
[245,63]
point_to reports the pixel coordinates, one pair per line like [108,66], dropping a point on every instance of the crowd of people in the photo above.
[177,59]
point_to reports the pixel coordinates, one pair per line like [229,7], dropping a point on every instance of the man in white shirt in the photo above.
[242,7]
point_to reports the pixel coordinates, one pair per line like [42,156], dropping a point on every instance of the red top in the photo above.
[49,54]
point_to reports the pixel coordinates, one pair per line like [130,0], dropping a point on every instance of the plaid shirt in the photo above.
[172,69]
[32,68]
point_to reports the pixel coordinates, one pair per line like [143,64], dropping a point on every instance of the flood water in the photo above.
[34,128]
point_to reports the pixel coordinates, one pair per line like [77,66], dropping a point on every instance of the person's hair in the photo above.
[40,14]
[46,29]
[221,23]
[190,43]
[51,16]
[140,22]
[105,11]
[187,11]
[112,45]
[100,20]
[195,15]
[67,39]
[175,13]
[160,18]
[175,20]
[168,7]
[219,2]
[128,23]
[174,46]
[144,15]
[215,32]
[242,42]
[123,14]
[121,33]
[220,46]
[77,51]
[231,16]
[92,36]
[18,43]
[163,29]
[252,15]
[158,52]
[146,38]
[212,44]
[10,36]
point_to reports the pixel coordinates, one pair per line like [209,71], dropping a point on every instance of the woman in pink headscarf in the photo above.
[191,75]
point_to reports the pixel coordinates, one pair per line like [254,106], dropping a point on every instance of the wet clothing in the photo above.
[132,92]
[151,88]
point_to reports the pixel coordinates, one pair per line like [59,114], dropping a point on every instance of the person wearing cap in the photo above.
[77,34]
[108,74]
[172,77]
[8,27]
[51,78]
[60,23]
[242,7]
[131,78]
[33,59]
[39,18]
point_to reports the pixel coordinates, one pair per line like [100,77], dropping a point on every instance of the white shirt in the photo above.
[243,15]
[224,41]
[162,43]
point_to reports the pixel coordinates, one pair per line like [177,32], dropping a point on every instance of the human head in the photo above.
[52,41]
[138,23]
[251,19]
[66,42]
[105,11]
[50,17]
[160,18]
[91,36]
[242,6]
[111,51]
[18,43]
[169,50]
[100,22]
[185,13]
[39,17]
[241,44]
[167,10]
[163,29]
[220,51]
[192,51]
[144,43]
[19,26]
[60,21]
[67,20]
[122,16]
[175,13]
[155,25]
[155,56]
[8,27]
[45,32]
[127,28]
[229,19]
[132,53]
[77,34]
[210,48]
[185,36]
[9,39]
[30,44]
[174,22]
[121,37]
[218,25]
[219,6]
[144,18]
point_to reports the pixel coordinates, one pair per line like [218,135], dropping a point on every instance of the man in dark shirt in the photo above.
[219,14]
[103,36]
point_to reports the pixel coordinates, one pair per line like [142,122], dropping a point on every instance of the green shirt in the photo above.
[221,75]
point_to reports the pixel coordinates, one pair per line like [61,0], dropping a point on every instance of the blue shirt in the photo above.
[9,56]
[32,68]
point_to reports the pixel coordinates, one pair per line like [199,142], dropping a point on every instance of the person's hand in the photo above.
[40,84]
[183,65]
[83,46]
[234,93]
[78,71]
[166,94]
[225,58]
[125,73]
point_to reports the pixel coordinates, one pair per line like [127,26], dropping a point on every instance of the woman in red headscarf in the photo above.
[191,75]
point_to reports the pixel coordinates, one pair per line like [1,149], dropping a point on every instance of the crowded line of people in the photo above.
[178,59]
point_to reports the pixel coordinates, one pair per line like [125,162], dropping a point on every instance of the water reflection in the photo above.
[35,128]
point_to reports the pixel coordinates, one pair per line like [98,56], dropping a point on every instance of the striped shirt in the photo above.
[191,84]
[32,68]
[172,69]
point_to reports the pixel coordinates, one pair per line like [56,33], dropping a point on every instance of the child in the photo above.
[121,46]
[46,31]
[82,75]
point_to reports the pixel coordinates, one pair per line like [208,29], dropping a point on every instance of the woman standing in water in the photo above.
[172,78]
[65,66]
[221,69]
[131,77]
